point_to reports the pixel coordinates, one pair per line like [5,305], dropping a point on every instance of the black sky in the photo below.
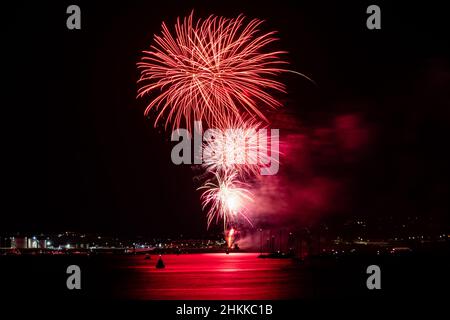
[80,155]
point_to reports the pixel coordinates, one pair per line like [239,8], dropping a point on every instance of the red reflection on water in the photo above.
[209,276]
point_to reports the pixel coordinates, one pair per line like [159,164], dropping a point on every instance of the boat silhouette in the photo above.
[160,264]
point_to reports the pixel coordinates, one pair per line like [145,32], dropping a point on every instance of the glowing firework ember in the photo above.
[225,198]
[210,70]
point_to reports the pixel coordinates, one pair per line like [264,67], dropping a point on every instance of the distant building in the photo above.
[33,243]
[19,242]
[42,243]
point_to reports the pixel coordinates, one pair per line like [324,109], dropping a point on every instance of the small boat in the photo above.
[160,264]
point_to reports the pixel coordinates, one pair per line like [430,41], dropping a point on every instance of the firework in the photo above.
[226,198]
[222,73]
[210,70]
[240,146]
[230,237]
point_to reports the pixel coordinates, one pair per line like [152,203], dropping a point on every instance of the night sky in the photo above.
[80,155]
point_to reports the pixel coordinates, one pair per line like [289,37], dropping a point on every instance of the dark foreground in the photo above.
[237,276]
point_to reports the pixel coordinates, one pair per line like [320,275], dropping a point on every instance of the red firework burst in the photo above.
[209,70]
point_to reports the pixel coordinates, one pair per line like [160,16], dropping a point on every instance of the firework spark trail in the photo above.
[225,198]
[210,70]
[230,237]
